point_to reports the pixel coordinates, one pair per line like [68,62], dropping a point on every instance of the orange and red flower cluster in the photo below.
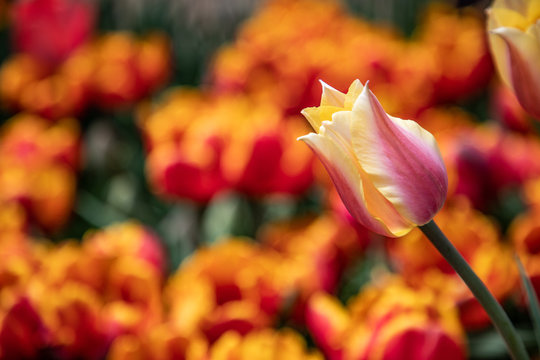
[70,301]
[112,71]
[59,68]
[200,144]
[387,320]
[111,296]
[281,53]
[38,165]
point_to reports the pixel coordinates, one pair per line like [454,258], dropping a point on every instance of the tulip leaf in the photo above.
[97,212]
[360,273]
[227,215]
[507,206]
[178,229]
[278,208]
[489,345]
[532,300]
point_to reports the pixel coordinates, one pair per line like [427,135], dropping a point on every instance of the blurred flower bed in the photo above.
[155,203]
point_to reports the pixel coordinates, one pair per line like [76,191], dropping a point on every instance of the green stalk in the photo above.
[492,307]
[534,307]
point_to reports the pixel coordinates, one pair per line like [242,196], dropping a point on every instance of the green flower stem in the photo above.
[485,298]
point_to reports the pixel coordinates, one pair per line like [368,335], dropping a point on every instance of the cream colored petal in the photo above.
[506,17]
[504,14]
[331,96]
[316,115]
[352,94]
[498,18]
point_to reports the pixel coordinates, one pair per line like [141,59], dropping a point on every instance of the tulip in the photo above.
[388,171]
[386,321]
[515,45]
[50,30]
[232,285]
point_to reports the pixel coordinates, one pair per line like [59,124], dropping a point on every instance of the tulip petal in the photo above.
[519,6]
[332,100]
[356,194]
[327,320]
[533,11]
[354,91]
[523,49]
[316,115]
[331,96]
[339,130]
[498,17]
[393,152]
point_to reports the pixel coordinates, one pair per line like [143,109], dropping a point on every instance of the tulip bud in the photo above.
[514,29]
[388,171]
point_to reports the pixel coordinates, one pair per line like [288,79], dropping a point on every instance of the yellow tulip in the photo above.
[514,36]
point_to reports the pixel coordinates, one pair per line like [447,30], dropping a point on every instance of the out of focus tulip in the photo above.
[316,250]
[25,84]
[16,74]
[37,166]
[114,71]
[127,69]
[514,32]
[127,239]
[50,30]
[133,288]
[260,155]
[387,321]
[233,285]
[458,43]
[200,144]
[184,156]
[486,160]
[388,171]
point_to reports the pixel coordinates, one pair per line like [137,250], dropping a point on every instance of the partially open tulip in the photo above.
[514,29]
[388,171]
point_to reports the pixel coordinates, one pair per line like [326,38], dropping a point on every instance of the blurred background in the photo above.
[155,204]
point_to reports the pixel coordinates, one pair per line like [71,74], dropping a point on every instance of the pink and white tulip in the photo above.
[388,171]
